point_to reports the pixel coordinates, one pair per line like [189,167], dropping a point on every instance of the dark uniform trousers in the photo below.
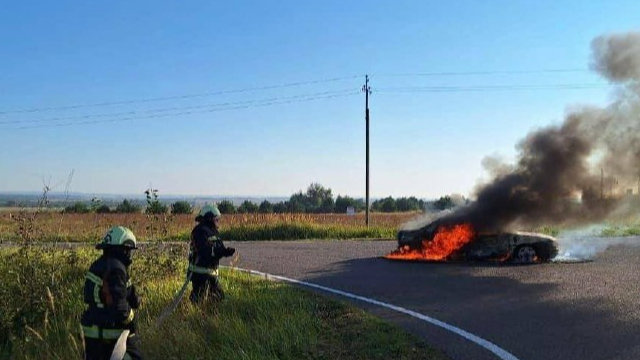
[205,287]
[101,349]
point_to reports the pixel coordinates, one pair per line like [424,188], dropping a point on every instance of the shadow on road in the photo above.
[548,311]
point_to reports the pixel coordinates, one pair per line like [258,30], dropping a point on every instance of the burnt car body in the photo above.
[517,247]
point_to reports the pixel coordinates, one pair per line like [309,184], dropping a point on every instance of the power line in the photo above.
[179,97]
[484,88]
[286,85]
[485,72]
[133,115]
[177,108]
[182,113]
[405,89]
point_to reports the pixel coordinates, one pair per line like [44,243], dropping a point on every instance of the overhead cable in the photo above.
[132,118]
[178,97]
[176,108]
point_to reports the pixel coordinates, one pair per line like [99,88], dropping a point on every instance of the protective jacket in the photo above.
[110,298]
[206,250]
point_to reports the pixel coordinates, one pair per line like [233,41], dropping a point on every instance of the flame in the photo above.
[446,241]
[504,257]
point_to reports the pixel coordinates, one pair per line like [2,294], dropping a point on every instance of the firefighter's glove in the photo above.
[133,298]
[132,326]
[230,251]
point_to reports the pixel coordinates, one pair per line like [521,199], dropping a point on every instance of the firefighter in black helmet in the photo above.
[206,251]
[110,298]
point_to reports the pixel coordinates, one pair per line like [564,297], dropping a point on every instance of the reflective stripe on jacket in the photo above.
[107,291]
[206,248]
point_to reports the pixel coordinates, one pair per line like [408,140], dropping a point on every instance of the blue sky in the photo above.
[59,54]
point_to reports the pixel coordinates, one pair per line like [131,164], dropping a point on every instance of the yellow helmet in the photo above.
[118,236]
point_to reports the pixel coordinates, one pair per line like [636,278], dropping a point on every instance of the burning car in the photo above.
[459,242]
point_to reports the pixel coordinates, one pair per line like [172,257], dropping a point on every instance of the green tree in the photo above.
[319,198]
[280,207]
[328,206]
[95,204]
[154,206]
[386,205]
[296,204]
[77,208]
[103,209]
[128,207]
[316,199]
[444,202]
[409,204]
[265,207]
[157,207]
[226,207]
[248,207]
[181,207]
[343,202]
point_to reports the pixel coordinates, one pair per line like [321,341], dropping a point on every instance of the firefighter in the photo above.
[111,299]
[206,251]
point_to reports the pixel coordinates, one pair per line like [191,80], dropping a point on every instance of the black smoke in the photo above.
[558,176]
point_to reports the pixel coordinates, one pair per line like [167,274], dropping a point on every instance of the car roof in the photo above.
[525,233]
[519,233]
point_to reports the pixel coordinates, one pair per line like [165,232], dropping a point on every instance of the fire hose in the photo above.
[176,300]
[120,349]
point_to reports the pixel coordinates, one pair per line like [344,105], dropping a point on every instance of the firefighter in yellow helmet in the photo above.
[110,298]
[206,251]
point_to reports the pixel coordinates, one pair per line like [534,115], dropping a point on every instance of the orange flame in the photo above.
[446,241]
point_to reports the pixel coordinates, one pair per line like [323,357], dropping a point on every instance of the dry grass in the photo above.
[259,319]
[89,227]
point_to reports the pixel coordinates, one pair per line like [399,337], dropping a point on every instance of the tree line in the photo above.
[154,206]
[316,199]
[127,206]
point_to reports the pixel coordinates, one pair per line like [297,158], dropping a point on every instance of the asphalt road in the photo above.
[561,311]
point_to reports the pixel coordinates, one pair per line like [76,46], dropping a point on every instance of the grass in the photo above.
[306,231]
[609,229]
[623,229]
[259,319]
[51,226]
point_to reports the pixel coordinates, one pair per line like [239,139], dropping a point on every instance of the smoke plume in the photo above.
[557,177]
[585,243]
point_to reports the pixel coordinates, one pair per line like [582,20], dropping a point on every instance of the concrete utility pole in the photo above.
[601,183]
[367,91]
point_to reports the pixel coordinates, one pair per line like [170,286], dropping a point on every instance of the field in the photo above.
[42,302]
[54,226]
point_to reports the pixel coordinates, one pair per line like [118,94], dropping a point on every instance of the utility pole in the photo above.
[367,91]
[601,183]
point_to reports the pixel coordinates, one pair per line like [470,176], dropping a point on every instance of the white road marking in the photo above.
[498,351]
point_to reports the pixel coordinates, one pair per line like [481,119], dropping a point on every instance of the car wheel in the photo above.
[525,254]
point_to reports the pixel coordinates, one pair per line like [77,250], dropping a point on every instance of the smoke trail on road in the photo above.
[585,243]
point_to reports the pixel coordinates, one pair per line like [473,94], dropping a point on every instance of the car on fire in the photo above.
[517,247]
